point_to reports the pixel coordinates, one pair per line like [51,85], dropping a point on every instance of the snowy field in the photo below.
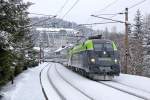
[72,86]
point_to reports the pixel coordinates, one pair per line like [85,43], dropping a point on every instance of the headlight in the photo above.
[104,52]
[116,60]
[93,60]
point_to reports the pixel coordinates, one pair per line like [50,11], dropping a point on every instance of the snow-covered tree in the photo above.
[15,38]
[7,26]
[136,45]
[146,44]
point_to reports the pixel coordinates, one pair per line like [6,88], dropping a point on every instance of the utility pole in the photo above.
[126,41]
[40,54]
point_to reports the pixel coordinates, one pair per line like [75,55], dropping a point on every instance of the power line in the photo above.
[130,7]
[70,8]
[39,14]
[34,24]
[47,15]
[102,10]
[137,4]
[63,6]
[108,7]
[112,3]
[107,19]
[108,14]
[97,23]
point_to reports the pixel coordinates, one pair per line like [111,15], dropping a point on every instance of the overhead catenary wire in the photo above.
[108,19]
[70,8]
[112,3]
[109,14]
[134,5]
[73,7]
[114,21]
[107,6]
[53,16]
[40,14]
[50,16]
[96,23]
[137,4]
[34,24]
[63,6]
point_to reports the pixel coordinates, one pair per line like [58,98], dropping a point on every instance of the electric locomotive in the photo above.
[96,58]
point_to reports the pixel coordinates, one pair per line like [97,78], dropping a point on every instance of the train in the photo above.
[95,58]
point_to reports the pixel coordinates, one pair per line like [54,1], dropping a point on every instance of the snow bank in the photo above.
[26,86]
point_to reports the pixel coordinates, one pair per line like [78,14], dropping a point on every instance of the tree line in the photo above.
[16,42]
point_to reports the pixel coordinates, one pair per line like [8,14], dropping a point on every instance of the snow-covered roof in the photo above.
[58,50]
[63,48]
[36,48]
[56,29]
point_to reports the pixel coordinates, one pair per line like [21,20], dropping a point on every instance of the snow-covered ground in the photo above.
[141,83]
[27,85]
[94,89]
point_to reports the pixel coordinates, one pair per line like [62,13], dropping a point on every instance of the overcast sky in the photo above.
[84,8]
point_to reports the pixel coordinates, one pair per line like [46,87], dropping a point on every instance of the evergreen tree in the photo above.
[136,45]
[146,41]
[16,46]
[138,27]
[7,26]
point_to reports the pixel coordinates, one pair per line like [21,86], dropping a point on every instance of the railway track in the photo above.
[127,89]
[131,86]
[58,91]
[131,91]
[44,93]
[54,87]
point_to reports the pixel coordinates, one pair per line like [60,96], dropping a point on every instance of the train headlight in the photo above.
[92,60]
[116,60]
[104,52]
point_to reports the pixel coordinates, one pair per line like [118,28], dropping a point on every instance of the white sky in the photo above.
[84,8]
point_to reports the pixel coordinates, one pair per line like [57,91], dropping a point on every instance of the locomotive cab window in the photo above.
[98,47]
[108,47]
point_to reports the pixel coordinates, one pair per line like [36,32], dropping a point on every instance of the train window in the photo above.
[98,47]
[109,47]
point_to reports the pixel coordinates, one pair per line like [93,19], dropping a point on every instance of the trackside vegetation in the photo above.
[16,46]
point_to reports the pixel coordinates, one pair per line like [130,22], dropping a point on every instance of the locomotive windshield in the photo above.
[98,47]
[103,47]
[104,50]
[108,47]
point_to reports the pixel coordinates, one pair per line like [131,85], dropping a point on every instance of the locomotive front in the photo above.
[103,59]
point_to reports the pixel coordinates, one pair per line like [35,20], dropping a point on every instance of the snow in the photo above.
[56,29]
[68,91]
[94,89]
[36,48]
[52,95]
[139,82]
[26,86]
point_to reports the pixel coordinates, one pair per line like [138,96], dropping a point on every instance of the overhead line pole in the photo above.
[126,41]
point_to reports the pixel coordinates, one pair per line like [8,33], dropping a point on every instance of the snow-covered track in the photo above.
[73,85]
[142,90]
[44,93]
[55,88]
[127,89]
